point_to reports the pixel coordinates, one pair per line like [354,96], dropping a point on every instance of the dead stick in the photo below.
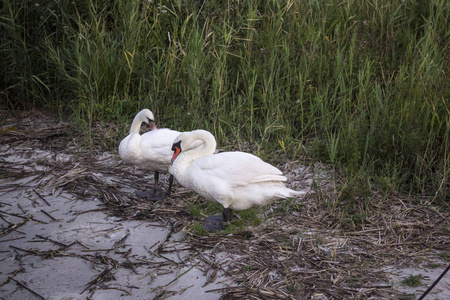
[12,276]
[6,221]
[50,240]
[13,239]
[120,242]
[162,256]
[14,227]
[20,249]
[27,288]
[179,276]
[99,279]
[115,288]
[48,215]
[20,207]
[67,246]
[42,198]
[11,214]
[88,211]
[219,290]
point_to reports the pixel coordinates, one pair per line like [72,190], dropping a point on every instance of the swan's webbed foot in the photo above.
[154,194]
[217,223]
[213,224]
[151,195]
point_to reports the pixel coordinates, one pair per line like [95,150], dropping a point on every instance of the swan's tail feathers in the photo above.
[293,193]
[288,193]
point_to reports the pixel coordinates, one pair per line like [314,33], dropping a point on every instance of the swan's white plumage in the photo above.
[237,180]
[150,150]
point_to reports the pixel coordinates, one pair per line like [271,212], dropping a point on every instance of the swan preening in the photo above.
[237,180]
[150,150]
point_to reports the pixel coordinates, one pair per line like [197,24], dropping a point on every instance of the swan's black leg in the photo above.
[152,194]
[226,213]
[170,185]
[156,179]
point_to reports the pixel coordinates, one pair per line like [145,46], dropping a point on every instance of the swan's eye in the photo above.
[176,145]
[150,120]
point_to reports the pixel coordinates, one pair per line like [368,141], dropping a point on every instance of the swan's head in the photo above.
[193,140]
[145,116]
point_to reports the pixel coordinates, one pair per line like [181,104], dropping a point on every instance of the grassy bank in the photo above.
[361,85]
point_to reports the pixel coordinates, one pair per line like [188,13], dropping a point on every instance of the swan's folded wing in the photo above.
[238,169]
[159,138]
[157,144]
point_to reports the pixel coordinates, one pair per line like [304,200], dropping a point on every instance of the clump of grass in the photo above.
[236,226]
[290,204]
[434,266]
[412,280]
[195,210]
[213,208]
[445,256]
[246,268]
[200,208]
[251,216]
[197,229]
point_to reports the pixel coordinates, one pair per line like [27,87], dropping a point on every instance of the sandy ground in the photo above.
[59,241]
[58,246]
[68,274]
[440,292]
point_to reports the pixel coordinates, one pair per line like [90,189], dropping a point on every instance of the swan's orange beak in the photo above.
[176,151]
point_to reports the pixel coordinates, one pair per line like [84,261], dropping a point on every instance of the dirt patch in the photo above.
[73,228]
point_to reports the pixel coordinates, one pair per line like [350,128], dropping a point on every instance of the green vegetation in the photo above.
[240,220]
[434,266]
[250,216]
[197,229]
[361,85]
[205,208]
[412,280]
[445,256]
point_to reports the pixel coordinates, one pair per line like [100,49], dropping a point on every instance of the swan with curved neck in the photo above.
[150,150]
[237,180]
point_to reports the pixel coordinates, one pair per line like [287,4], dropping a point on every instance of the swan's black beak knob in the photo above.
[176,148]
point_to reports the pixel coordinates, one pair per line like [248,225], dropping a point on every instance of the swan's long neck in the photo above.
[136,125]
[209,146]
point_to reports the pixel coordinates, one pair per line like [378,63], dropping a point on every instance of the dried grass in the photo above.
[305,253]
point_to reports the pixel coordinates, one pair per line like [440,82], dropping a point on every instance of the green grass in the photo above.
[205,208]
[413,280]
[361,85]
[445,256]
[239,221]
[197,229]
[250,216]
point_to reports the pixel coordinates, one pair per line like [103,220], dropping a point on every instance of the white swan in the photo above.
[150,150]
[237,180]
